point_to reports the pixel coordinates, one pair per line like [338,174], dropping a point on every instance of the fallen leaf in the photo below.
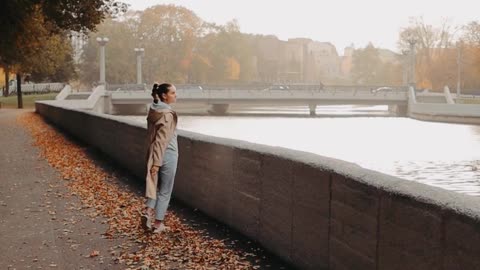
[94,253]
[183,247]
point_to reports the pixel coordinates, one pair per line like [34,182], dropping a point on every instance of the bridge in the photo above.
[132,100]
[219,100]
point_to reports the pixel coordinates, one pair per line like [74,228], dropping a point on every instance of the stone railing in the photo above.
[444,111]
[126,87]
[312,211]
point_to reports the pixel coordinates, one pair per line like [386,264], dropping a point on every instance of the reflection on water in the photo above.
[439,154]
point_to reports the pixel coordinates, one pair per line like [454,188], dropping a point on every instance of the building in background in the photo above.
[292,61]
[267,50]
[298,60]
[346,61]
[322,62]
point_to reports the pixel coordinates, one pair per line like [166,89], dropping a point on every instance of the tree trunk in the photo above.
[7,82]
[19,90]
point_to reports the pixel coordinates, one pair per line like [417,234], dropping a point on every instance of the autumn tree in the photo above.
[24,24]
[50,56]
[433,46]
[369,69]
[391,73]
[240,54]
[46,56]
[471,33]
[227,53]
[119,53]
[179,47]
[169,35]
[366,63]
[205,65]
[470,56]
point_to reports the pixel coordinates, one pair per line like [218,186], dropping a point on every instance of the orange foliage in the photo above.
[233,69]
[181,248]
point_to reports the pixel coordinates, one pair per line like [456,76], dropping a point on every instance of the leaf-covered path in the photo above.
[42,226]
[79,215]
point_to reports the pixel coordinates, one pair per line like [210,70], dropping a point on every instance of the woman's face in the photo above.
[171,96]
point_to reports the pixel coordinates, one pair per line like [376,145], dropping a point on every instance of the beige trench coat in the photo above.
[161,127]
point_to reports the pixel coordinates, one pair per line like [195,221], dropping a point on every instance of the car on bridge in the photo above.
[383,89]
[279,87]
[189,87]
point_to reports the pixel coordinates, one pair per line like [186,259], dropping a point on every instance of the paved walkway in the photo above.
[40,225]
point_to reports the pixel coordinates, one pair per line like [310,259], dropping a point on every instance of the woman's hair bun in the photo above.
[155,89]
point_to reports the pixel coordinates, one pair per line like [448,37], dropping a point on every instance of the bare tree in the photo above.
[433,44]
[471,33]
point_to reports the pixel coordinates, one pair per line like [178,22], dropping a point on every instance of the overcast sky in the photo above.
[341,22]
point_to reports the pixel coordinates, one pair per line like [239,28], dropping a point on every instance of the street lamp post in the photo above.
[405,68]
[139,52]
[102,41]
[459,66]
[412,42]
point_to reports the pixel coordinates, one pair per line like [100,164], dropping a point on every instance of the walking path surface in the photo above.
[40,225]
[90,220]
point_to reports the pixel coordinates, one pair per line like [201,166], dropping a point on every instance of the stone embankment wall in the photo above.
[441,108]
[315,212]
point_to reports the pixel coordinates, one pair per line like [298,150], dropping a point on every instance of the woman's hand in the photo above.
[154,170]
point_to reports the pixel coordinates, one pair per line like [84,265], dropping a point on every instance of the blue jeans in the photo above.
[166,177]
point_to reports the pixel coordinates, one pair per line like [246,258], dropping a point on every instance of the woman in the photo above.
[162,156]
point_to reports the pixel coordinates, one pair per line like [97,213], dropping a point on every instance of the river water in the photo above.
[438,154]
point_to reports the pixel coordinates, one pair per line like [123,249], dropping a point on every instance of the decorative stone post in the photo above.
[102,41]
[140,53]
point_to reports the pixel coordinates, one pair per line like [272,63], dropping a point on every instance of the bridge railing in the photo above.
[215,96]
[281,86]
[268,93]
[37,88]
[126,87]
